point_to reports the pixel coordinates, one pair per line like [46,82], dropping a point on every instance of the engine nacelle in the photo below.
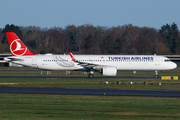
[109,71]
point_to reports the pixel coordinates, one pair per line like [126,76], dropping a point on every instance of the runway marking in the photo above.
[8,83]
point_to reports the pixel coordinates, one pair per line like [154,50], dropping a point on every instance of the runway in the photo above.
[90,91]
[116,77]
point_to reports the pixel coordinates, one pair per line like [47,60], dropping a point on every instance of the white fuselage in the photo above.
[121,62]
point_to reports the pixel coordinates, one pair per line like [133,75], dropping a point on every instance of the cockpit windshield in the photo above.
[166,60]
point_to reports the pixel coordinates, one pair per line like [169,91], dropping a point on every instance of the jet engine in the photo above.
[109,71]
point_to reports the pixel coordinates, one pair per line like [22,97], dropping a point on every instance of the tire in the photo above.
[90,75]
[156,76]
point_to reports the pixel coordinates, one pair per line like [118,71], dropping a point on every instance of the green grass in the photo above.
[27,106]
[51,107]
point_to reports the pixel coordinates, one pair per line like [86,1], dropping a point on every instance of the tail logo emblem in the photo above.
[17,48]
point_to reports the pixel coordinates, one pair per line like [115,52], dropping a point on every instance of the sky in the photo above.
[108,13]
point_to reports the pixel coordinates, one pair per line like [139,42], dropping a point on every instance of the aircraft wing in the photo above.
[86,64]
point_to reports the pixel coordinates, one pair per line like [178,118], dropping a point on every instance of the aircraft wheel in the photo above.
[90,75]
[156,76]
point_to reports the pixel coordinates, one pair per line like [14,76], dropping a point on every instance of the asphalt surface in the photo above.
[75,77]
[90,91]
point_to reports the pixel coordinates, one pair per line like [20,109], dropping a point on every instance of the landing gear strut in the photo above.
[156,74]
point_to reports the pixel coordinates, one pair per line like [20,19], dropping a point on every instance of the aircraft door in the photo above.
[34,61]
[157,61]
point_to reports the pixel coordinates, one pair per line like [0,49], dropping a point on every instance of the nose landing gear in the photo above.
[156,74]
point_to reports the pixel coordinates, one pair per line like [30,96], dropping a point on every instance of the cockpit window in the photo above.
[166,60]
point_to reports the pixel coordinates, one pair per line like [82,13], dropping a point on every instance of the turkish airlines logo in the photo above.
[17,48]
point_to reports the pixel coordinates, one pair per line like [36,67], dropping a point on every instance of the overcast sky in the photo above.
[108,13]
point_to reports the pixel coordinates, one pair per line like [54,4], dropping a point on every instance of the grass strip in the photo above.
[51,107]
[90,83]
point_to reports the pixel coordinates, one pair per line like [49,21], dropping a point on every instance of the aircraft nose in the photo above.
[173,65]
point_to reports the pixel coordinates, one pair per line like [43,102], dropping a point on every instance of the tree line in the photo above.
[88,39]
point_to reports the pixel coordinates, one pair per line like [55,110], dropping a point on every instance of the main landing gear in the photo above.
[156,74]
[91,74]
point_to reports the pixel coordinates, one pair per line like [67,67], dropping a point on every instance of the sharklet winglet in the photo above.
[73,59]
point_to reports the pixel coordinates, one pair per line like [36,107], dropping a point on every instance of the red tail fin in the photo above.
[17,47]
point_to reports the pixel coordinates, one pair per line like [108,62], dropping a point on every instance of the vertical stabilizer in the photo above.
[17,47]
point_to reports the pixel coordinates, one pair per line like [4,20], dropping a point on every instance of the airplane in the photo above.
[107,65]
